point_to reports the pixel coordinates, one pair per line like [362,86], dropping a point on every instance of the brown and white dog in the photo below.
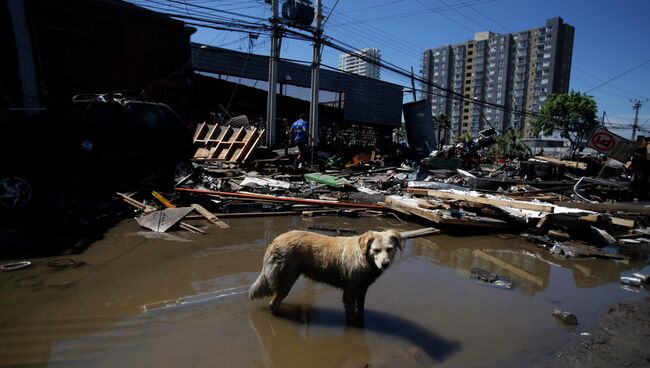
[350,263]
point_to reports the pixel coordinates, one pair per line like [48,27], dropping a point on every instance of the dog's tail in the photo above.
[264,285]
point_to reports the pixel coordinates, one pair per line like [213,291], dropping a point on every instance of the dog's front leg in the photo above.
[349,299]
[361,301]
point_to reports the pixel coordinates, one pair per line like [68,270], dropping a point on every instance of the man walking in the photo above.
[299,132]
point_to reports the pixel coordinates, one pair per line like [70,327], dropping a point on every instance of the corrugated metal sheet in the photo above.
[367,100]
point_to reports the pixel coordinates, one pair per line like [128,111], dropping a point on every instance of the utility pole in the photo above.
[636,105]
[415,97]
[315,77]
[271,105]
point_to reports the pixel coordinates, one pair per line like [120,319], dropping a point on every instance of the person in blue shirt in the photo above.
[299,132]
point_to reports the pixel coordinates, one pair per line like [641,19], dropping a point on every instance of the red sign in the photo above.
[611,144]
[603,141]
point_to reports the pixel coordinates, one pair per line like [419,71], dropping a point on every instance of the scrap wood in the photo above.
[419,232]
[410,206]
[615,220]
[209,216]
[558,190]
[627,207]
[281,199]
[139,205]
[337,230]
[503,201]
[319,213]
[163,200]
[558,234]
[566,163]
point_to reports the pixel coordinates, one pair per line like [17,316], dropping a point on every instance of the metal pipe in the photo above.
[282,199]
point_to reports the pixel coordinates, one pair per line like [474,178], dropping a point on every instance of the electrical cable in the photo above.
[619,75]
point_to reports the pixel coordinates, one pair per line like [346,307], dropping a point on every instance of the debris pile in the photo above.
[571,208]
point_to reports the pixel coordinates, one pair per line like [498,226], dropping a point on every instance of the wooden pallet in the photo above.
[225,143]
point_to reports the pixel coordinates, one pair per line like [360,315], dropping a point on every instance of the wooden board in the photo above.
[419,232]
[609,207]
[210,216]
[443,217]
[225,143]
[484,200]
[566,163]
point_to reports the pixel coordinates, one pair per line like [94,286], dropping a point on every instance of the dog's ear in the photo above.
[396,238]
[365,240]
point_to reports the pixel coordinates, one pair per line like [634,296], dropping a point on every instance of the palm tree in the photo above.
[442,122]
[510,144]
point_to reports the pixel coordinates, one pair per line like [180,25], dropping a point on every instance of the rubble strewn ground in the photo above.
[620,340]
[556,212]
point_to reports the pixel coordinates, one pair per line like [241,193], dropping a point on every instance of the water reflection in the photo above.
[529,267]
[303,333]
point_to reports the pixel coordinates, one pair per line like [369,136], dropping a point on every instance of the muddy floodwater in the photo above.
[180,300]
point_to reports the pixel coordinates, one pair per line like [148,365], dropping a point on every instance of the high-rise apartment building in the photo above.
[353,64]
[517,70]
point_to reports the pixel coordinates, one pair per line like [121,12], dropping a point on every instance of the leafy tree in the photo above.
[442,122]
[463,138]
[510,144]
[573,114]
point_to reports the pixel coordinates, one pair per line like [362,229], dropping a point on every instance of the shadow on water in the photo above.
[288,338]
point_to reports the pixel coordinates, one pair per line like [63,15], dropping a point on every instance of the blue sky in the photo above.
[611,37]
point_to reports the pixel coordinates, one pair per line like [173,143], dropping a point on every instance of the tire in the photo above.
[15,193]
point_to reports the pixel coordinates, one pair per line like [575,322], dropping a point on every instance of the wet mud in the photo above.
[179,299]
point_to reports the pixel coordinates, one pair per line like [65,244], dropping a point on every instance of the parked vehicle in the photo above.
[89,148]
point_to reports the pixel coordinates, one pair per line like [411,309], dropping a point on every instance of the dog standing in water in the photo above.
[350,263]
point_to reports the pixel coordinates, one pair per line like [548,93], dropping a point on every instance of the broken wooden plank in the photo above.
[200,132]
[419,232]
[443,217]
[559,234]
[209,216]
[502,202]
[188,227]
[566,163]
[139,205]
[162,200]
[628,207]
[319,213]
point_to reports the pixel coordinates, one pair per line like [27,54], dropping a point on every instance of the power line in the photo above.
[619,75]
[465,16]
[420,12]
[601,80]
[246,27]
